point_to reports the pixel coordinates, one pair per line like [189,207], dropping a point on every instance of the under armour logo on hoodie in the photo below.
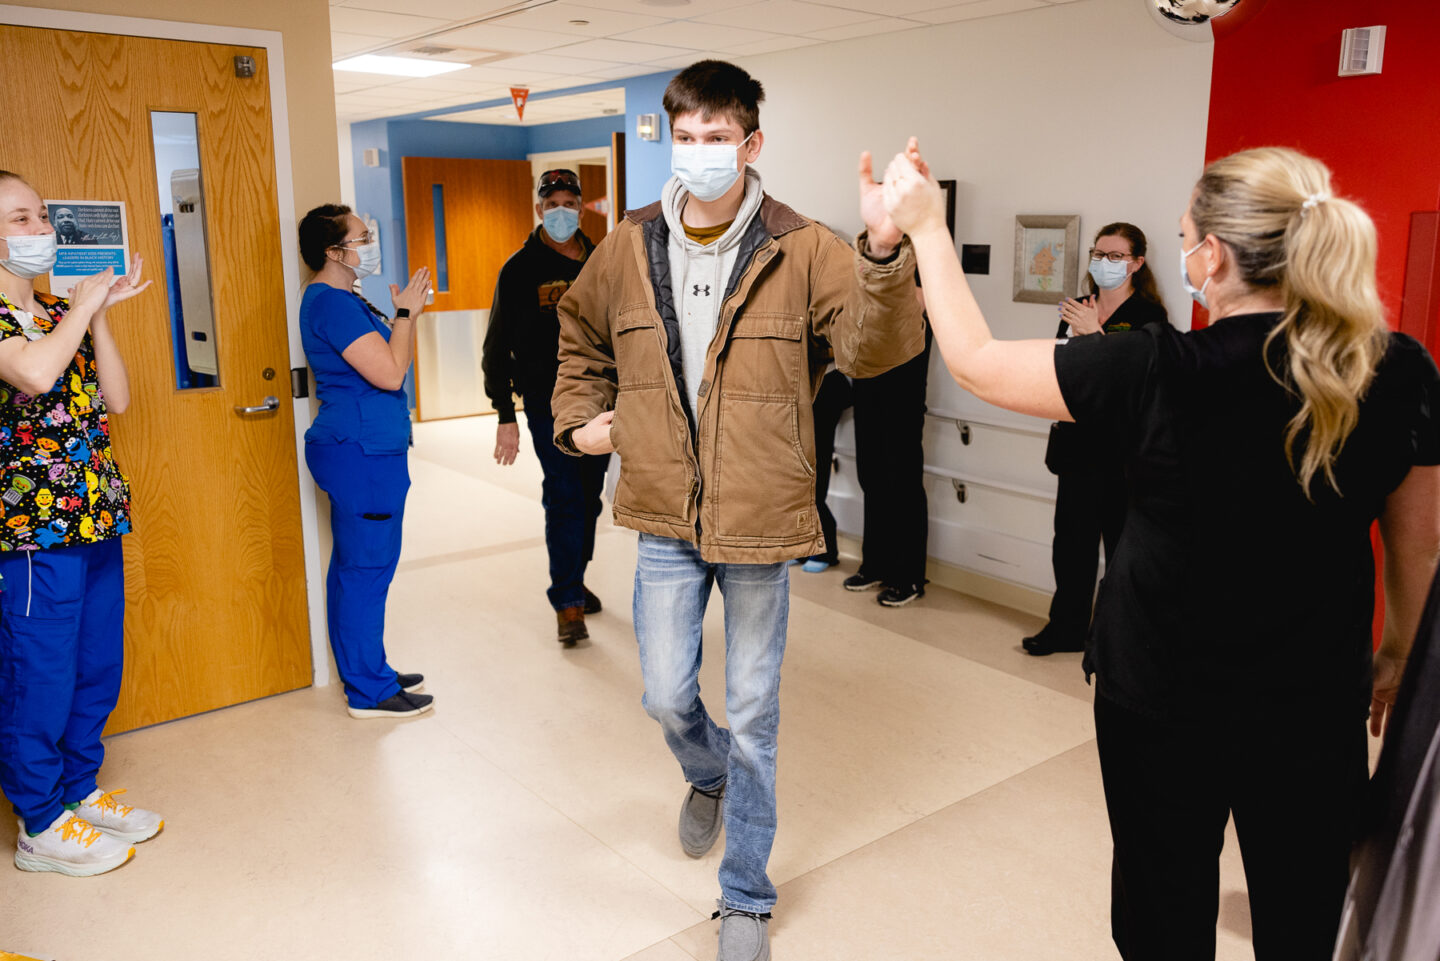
[701,290]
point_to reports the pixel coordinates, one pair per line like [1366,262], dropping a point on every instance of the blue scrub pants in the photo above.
[367,506]
[62,616]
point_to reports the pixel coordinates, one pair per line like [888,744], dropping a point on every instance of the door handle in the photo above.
[271,403]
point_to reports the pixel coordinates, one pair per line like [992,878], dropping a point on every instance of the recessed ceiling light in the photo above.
[398,66]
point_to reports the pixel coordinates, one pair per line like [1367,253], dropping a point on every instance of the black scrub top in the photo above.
[1231,591]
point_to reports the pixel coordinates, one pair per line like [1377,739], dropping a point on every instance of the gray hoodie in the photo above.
[698,275]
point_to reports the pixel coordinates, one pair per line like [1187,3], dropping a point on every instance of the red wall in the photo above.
[1274,83]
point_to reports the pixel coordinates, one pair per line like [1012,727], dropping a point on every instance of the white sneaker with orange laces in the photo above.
[120,821]
[72,847]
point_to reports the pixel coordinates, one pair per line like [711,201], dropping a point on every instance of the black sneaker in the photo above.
[861,582]
[401,705]
[592,603]
[899,596]
[411,683]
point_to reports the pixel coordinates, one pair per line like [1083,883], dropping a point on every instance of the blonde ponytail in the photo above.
[1274,208]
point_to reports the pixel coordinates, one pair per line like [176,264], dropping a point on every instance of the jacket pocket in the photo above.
[655,477]
[640,358]
[764,480]
[766,354]
[384,424]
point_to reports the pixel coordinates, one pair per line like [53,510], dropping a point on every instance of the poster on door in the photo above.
[90,235]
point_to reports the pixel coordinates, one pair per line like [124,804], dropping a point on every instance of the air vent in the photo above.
[1362,50]
[474,56]
[430,50]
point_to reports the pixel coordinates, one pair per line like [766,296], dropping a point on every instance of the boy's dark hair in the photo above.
[321,229]
[715,88]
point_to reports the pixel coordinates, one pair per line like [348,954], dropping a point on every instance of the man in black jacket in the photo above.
[520,357]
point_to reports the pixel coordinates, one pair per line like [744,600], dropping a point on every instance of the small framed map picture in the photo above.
[1047,258]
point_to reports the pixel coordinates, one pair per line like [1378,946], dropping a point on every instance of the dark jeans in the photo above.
[830,403]
[890,461]
[570,495]
[1294,781]
[1089,509]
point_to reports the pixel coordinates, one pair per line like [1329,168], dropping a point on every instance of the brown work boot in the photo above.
[571,624]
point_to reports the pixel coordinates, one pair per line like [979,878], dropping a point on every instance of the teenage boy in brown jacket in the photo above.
[693,342]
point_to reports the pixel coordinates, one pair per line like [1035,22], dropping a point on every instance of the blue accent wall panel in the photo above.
[575,134]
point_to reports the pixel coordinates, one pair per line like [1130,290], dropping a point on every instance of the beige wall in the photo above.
[309,83]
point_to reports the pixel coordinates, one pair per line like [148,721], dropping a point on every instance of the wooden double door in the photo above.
[215,581]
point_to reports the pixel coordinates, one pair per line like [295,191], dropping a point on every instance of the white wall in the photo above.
[1085,107]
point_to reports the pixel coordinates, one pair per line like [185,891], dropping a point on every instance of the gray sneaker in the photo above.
[700,820]
[743,936]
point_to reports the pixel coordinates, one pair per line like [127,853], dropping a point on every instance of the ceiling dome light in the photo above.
[1193,11]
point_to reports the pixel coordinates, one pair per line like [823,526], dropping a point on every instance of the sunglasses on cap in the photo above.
[561,179]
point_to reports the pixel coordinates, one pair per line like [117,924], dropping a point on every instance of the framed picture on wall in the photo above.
[1047,257]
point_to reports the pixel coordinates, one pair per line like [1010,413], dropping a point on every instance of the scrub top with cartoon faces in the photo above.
[59,483]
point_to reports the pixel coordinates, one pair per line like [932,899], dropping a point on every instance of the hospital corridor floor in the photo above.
[939,793]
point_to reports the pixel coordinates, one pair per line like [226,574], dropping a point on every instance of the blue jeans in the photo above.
[570,494]
[367,509]
[61,653]
[672,588]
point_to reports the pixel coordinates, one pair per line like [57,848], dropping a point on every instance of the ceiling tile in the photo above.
[451,11]
[556,62]
[374,23]
[620,71]
[684,33]
[344,44]
[683,60]
[786,16]
[975,10]
[868,28]
[883,8]
[693,8]
[623,51]
[772,45]
[488,36]
[602,23]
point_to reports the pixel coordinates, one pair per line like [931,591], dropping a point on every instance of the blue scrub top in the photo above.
[352,410]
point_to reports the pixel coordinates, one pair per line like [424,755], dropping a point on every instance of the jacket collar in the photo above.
[777,218]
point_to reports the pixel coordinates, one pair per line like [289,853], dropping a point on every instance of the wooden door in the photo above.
[215,579]
[592,187]
[487,211]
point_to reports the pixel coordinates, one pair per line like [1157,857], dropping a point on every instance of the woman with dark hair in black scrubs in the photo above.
[1090,494]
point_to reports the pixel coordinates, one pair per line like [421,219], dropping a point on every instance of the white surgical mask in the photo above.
[30,254]
[561,223]
[369,260]
[1198,295]
[1107,275]
[707,169]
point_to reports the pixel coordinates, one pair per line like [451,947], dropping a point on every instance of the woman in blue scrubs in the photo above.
[65,504]
[356,448]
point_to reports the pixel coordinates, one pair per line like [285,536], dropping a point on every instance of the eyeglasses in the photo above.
[369,238]
[1114,256]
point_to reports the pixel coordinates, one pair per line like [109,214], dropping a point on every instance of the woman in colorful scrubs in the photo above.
[64,504]
[356,448]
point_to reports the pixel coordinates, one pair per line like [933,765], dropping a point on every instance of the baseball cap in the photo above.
[561,179]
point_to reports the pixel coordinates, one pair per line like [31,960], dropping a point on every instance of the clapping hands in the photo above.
[101,291]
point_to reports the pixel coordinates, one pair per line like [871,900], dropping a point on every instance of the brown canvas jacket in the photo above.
[737,476]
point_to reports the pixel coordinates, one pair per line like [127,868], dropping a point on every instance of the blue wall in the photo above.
[380,191]
[647,163]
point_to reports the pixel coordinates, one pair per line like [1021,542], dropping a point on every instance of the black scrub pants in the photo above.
[830,403]
[1089,509]
[1295,783]
[890,461]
